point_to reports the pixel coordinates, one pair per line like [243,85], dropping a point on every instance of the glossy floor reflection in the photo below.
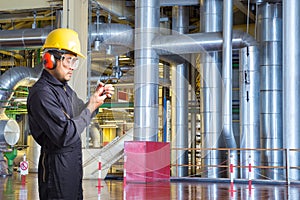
[13,188]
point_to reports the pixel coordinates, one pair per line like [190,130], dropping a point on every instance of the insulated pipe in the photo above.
[180,22]
[291,83]
[199,42]
[249,110]
[9,81]
[210,84]
[227,131]
[110,34]
[24,38]
[12,79]
[113,34]
[270,39]
[179,2]
[116,8]
[146,71]
[117,34]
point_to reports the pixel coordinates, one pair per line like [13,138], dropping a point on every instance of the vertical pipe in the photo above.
[227,81]
[270,39]
[146,71]
[180,24]
[249,109]
[291,82]
[59,18]
[210,90]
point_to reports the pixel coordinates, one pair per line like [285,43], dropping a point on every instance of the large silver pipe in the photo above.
[199,42]
[116,8]
[210,85]
[23,38]
[122,35]
[12,79]
[291,83]
[270,39]
[178,2]
[113,34]
[227,131]
[146,71]
[109,34]
[249,110]
[180,22]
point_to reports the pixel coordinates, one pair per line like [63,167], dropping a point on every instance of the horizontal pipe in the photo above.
[179,2]
[23,38]
[199,42]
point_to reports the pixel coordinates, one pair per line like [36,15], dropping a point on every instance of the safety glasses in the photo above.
[70,61]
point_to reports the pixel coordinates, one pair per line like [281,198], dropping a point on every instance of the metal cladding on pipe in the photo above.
[110,34]
[9,81]
[199,42]
[180,24]
[270,38]
[113,34]
[116,8]
[23,38]
[227,131]
[210,86]
[249,109]
[178,2]
[12,79]
[291,84]
[211,14]
[146,71]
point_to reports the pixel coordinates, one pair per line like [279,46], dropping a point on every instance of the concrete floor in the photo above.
[13,188]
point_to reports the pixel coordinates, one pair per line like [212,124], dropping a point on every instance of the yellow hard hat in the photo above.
[63,39]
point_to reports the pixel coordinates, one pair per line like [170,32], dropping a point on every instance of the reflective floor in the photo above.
[13,187]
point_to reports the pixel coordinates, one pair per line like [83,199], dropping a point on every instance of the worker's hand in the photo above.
[105,89]
[101,93]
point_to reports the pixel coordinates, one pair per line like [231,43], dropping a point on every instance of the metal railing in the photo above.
[224,165]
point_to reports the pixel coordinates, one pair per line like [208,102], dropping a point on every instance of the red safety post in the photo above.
[99,177]
[231,168]
[250,174]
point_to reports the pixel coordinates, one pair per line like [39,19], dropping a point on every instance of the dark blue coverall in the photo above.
[57,117]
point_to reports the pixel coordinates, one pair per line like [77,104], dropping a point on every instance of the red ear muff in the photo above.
[49,61]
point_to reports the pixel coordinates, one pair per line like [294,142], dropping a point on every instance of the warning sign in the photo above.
[24,168]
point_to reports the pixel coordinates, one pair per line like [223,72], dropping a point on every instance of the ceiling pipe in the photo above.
[118,34]
[23,38]
[199,42]
[113,34]
[179,2]
[117,8]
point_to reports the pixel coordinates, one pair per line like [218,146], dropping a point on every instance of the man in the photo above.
[57,117]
